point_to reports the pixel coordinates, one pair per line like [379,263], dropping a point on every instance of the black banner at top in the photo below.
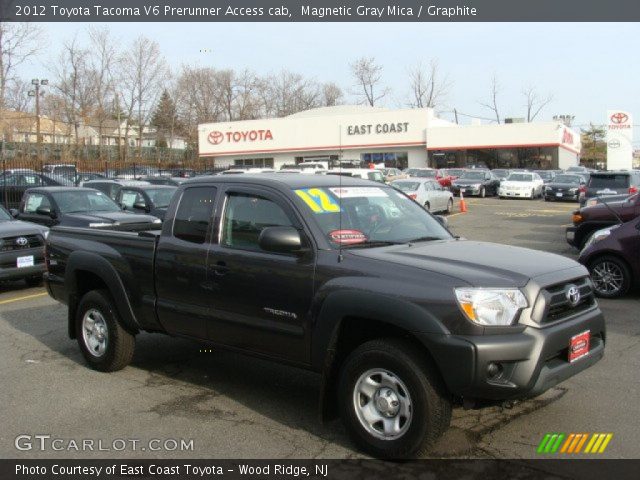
[319,10]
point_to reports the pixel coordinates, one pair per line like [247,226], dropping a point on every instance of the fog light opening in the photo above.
[494,370]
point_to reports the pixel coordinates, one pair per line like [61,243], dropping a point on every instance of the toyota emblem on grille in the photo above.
[573,295]
[22,242]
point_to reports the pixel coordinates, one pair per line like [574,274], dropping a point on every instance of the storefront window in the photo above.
[253,163]
[390,159]
[534,158]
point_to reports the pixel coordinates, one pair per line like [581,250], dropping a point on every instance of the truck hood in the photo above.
[480,264]
[122,218]
[12,228]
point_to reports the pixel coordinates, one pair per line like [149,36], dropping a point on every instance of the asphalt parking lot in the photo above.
[233,406]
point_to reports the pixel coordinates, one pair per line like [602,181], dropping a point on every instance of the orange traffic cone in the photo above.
[463,205]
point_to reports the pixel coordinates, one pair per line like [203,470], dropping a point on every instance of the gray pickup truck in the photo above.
[345,277]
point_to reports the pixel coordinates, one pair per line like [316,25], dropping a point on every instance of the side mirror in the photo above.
[280,240]
[443,221]
[14,213]
[142,206]
[44,211]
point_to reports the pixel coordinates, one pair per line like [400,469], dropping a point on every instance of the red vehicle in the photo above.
[441,176]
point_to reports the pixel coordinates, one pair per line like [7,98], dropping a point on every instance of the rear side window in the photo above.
[609,181]
[194,211]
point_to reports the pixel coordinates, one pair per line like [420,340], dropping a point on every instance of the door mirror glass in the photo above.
[140,206]
[280,240]
[43,211]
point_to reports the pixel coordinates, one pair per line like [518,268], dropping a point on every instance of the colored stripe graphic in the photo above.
[573,443]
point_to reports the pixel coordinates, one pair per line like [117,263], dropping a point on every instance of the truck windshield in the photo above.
[161,197]
[84,201]
[369,216]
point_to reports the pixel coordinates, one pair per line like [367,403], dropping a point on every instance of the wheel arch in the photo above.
[86,272]
[342,327]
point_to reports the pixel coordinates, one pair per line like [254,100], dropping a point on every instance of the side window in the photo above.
[244,218]
[194,211]
[128,198]
[35,201]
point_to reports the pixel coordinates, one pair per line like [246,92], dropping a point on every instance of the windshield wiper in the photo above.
[424,239]
[374,243]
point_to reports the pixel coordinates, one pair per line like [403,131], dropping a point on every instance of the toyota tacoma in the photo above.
[345,277]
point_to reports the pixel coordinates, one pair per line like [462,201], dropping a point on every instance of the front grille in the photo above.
[10,244]
[557,304]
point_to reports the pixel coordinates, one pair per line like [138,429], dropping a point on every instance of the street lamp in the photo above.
[37,83]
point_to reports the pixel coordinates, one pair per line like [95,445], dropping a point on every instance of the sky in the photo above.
[587,67]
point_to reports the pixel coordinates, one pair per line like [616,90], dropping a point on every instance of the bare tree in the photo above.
[18,42]
[535,103]
[247,106]
[102,59]
[428,87]
[368,76]
[17,95]
[287,93]
[142,76]
[492,104]
[75,83]
[331,94]
[197,98]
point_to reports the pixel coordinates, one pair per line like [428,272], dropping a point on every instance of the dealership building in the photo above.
[398,138]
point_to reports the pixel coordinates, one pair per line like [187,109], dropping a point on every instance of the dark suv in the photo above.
[611,183]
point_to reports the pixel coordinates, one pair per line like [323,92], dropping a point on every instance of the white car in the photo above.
[365,173]
[428,193]
[521,185]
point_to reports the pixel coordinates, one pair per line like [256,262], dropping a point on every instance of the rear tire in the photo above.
[610,275]
[105,345]
[405,408]
[427,206]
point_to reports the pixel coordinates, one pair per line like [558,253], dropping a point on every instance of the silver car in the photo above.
[427,192]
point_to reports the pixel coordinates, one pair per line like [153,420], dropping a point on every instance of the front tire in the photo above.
[450,206]
[392,401]
[610,275]
[105,345]
[427,206]
[483,192]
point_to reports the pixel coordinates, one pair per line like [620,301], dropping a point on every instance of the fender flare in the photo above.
[353,303]
[99,266]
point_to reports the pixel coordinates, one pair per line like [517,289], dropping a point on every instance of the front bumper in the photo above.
[9,269]
[532,360]
[470,190]
[514,193]
[564,195]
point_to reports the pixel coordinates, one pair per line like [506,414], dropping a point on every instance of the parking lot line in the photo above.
[26,297]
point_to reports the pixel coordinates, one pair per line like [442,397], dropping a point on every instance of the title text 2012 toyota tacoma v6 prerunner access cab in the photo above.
[345,277]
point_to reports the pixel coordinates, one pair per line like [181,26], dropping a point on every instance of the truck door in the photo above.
[182,288]
[260,300]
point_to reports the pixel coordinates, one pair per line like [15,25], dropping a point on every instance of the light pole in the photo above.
[36,93]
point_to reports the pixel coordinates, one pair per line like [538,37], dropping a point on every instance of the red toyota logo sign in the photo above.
[619,118]
[215,137]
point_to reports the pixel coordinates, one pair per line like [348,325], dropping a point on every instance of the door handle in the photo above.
[220,268]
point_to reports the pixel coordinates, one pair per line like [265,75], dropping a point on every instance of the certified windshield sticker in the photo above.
[318,200]
[347,237]
[355,192]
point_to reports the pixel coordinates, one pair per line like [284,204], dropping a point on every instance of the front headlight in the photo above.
[573,190]
[491,306]
[597,236]
[45,234]
[548,188]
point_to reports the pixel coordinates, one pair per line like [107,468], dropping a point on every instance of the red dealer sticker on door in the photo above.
[347,237]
